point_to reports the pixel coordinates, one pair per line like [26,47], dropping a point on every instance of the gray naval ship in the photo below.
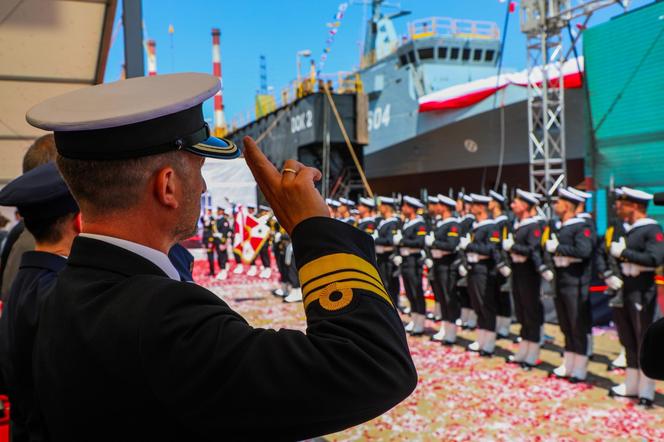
[409,149]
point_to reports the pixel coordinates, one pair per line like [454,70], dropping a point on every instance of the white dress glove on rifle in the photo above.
[617,248]
[396,239]
[428,263]
[552,245]
[464,241]
[505,270]
[429,239]
[463,271]
[374,235]
[614,282]
[508,243]
[397,260]
[547,275]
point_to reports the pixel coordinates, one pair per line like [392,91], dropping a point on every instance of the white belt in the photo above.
[475,257]
[384,249]
[565,261]
[631,269]
[437,253]
[406,251]
[518,259]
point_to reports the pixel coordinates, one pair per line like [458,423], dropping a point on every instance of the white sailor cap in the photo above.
[332,203]
[387,200]
[581,193]
[637,196]
[496,196]
[134,118]
[528,197]
[369,202]
[347,202]
[442,199]
[570,196]
[432,199]
[413,202]
[354,212]
[480,199]
[264,208]
[251,206]
[467,198]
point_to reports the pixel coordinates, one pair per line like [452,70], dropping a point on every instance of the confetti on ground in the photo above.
[463,397]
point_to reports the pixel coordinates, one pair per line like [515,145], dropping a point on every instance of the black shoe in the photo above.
[416,334]
[517,339]
[502,336]
[611,367]
[526,366]
[613,394]
[445,343]
[512,360]
[575,380]
[645,403]
[486,354]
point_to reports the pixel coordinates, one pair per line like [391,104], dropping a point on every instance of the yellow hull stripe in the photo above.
[346,289]
[334,263]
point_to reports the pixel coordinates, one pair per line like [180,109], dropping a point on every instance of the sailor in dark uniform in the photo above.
[385,230]
[572,248]
[443,241]
[126,351]
[430,217]
[481,248]
[468,319]
[209,239]
[333,206]
[524,247]
[223,235]
[344,212]
[367,222]
[640,251]
[51,216]
[410,240]
[503,299]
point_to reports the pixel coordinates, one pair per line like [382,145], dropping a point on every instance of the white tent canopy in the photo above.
[229,181]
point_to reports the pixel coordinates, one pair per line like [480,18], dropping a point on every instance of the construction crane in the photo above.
[543,22]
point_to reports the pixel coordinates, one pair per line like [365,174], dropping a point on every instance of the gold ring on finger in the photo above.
[289,170]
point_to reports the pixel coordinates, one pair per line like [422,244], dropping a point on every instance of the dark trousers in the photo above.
[573,307]
[503,301]
[443,285]
[482,291]
[265,255]
[411,272]
[210,247]
[528,307]
[222,257]
[386,270]
[631,321]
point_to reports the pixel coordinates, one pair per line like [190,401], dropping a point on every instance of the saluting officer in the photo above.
[640,251]
[410,240]
[367,222]
[524,247]
[481,248]
[468,319]
[51,215]
[121,339]
[383,237]
[210,240]
[443,242]
[572,247]
[504,303]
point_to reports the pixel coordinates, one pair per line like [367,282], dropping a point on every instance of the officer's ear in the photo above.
[165,187]
[78,223]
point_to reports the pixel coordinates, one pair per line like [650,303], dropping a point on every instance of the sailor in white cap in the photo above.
[468,318]
[410,241]
[333,205]
[572,247]
[443,241]
[122,339]
[344,212]
[525,250]
[481,249]
[503,298]
[367,222]
[640,251]
[388,226]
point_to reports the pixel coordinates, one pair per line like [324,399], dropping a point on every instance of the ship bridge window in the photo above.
[477,55]
[425,53]
[442,52]
[489,54]
[454,54]
[465,56]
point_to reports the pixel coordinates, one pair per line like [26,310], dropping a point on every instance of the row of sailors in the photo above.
[477,256]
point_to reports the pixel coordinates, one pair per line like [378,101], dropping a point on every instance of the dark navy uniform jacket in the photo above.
[413,232]
[125,353]
[466,224]
[645,244]
[386,229]
[527,243]
[446,237]
[486,240]
[575,240]
[18,328]
[367,225]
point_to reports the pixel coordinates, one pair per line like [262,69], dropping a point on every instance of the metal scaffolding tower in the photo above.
[262,75]
[543,22]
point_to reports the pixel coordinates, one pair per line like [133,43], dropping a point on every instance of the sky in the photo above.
[278,29]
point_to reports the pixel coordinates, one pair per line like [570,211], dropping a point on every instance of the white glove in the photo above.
[217,235]
[547,275]
[429,239]
[277,237]
[508,243]
[428,263]
[614,282]
[505,271]
[396,239]
[463,271]
[397,260]
[552,245]
[464,241]
[374,235]
[617,248]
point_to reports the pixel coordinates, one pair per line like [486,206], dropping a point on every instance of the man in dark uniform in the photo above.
[367,223]
[443,242]
[468,319]
[51,216]
[223,234]
[640,251]
[386,228]
[410,240]
[209,240]
[504,302]
[572,247]
[333,206]
[264,253]
[481,248]
[524,247]
[126,351]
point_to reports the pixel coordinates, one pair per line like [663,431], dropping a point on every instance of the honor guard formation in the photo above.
[488,260]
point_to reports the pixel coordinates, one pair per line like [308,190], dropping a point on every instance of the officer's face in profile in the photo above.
[193,185]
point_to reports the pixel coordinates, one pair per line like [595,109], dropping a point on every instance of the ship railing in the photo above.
[453,27]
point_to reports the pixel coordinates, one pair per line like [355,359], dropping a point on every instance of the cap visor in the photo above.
[214,147]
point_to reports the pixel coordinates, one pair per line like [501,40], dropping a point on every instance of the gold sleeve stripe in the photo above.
[452,234]
[494,239]
[315,284]
[323,294]
[421,233]
[334,263]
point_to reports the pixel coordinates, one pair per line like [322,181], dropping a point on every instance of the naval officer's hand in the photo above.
[291,192]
